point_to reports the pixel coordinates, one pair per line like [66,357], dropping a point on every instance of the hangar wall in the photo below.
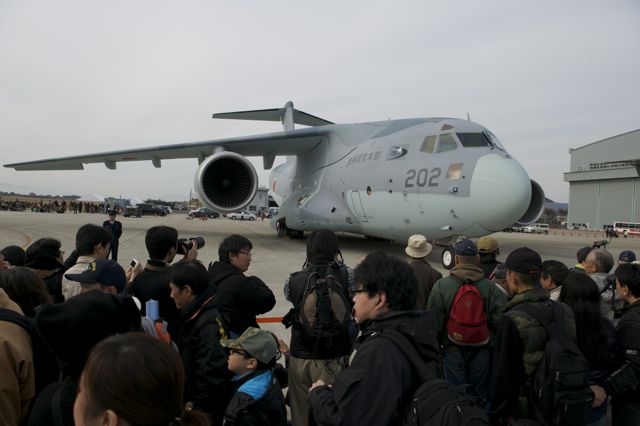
[604,181]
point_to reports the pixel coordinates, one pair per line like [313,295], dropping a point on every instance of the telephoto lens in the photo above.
[184,244]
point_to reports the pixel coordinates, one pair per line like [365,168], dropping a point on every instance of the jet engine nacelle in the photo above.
[536,205]
[226,181]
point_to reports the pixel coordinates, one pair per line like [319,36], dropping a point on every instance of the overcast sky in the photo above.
[78,77]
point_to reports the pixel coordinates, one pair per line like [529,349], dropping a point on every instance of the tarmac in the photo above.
[273,258]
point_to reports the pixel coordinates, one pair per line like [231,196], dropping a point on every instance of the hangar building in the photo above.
[604,181]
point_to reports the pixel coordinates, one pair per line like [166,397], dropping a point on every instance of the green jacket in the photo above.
[444,291]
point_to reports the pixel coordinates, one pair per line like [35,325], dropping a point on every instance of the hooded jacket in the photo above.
[240,298]
[257,401]
[444,292]
[205,362]
[17,378]
[376,386]
[71,330]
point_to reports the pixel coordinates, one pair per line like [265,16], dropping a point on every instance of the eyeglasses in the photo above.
[237,351]
[248,253]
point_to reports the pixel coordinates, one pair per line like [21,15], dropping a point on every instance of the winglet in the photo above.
[288,115]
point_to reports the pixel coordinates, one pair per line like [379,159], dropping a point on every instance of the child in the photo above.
[258,399]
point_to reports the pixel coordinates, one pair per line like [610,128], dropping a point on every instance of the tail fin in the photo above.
[288,115]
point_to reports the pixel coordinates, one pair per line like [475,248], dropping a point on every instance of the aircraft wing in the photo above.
[268,145]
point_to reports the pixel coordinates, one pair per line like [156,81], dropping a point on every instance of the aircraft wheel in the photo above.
[282,229]
[252,218]
[447,258]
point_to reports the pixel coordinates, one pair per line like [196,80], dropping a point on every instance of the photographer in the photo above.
[153,282]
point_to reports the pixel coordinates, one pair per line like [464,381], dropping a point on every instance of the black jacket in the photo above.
[153,283]
[258,401]
[240,298]
[205,362]
[376,386]
[624,383]
[115,228]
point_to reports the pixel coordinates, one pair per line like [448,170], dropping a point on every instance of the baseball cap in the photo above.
[418,246]
[524,261]
[465,247]
[487,245]
[112,212]
[627,256]
[104,271]
[259,344]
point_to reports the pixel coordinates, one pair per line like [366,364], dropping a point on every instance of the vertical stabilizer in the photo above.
[287,116]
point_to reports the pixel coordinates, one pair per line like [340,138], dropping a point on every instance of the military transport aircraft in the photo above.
[441,177]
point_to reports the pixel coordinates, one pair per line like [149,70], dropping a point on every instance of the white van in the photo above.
[537,228]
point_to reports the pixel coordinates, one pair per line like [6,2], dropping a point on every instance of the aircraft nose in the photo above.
[500,191]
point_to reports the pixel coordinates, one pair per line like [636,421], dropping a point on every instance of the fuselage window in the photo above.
[429,144]
[473,140]
[446,143]
[454,171]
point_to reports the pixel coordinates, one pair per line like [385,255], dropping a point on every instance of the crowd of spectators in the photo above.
[168,342]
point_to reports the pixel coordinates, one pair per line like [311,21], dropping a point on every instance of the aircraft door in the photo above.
[356,201]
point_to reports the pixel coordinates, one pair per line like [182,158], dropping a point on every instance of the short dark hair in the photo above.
[555,269]
[583,253]
[159,240]
[44,247]
[528,280]
[14,255]
[381,272]
[89,236]
[190,273]
[322,246]
[232,244]
[26,288]
[628,274]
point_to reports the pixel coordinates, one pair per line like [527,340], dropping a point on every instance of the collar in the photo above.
[537,294]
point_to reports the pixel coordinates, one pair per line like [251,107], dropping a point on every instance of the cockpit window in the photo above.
[474,140]
[429,144]
[446,143]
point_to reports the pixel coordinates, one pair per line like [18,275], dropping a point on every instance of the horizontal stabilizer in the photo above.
[275,114]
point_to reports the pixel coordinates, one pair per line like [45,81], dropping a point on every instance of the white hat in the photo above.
[418,246]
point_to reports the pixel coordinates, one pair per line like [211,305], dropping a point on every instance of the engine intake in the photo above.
[536,205]
[226,181]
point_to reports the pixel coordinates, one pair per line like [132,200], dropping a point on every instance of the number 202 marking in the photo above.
[422,177]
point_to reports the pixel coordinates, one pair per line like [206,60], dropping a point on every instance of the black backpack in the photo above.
[324,310]
[435,402]
[560,393]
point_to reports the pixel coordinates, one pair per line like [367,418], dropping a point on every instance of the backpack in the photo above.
[435,402]
[560,393]
[467,324]
[324,310]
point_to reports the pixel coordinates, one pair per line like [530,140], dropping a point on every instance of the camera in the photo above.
[186,244]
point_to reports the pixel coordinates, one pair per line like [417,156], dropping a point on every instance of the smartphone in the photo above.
[133,263]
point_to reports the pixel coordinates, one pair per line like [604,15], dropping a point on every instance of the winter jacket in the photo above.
[240,298]
[17,374]
[609,302]
[375,387]
[624,383]
[519,348]
[302,345]
[257,401]
[205,362]
[153,283]
[444,292]
[427,277]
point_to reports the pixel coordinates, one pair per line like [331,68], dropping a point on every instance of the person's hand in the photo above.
[192,254]
[282,346]
[599,395]
[131,272]
[316,384]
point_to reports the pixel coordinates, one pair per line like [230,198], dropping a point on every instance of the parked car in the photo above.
[537,228]
[241,215]
[513,228]
[147,209]
[273,211]
[131,211]
[203,212]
